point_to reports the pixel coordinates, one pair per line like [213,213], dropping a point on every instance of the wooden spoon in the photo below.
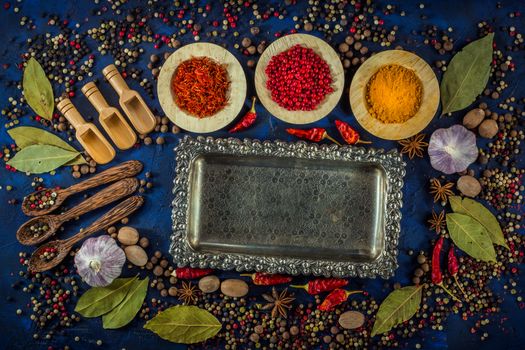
[121,171]
[53,222]
[61,247]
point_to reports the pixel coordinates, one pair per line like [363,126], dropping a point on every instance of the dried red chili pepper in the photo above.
[189,273]
[336,297]
[313,134]
[247,120]
[322,285]
[453,268]
[267,279]
[437,275]
[349,134]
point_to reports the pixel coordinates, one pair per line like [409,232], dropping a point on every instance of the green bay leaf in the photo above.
[125,312]
[399,306]
[467,75]
[98,301]
[26,136]
[470,236]
[37,159]
[481,214]
[37,89]
[184,324]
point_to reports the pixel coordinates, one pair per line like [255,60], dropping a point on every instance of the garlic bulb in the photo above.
[99,261]
[452,150]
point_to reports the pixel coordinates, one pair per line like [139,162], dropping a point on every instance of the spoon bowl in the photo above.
[25,235]
[37,262]
[28,210]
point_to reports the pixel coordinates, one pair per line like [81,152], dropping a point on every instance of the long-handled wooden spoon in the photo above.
[57,250]
[121,171]
[40,228]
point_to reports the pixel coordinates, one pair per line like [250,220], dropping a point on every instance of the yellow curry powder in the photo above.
[393,94]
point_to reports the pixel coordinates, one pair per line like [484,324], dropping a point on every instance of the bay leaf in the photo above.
[470,236]
[37,159]
[467,75]
[184,324]
[481,214]
[125,312]
[37,89]
[27,135]
[399,306]
[98,301]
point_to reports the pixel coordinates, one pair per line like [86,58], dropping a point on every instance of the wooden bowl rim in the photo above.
[237,91]
[429,104]
[321,48]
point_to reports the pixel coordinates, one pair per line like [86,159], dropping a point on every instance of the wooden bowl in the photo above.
[429,101]
[237,93]
[322,49]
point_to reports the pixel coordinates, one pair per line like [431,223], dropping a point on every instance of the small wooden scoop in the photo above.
[61,247]
[121,171]
[87,134]
[53,222]
[130,101]
[110,118]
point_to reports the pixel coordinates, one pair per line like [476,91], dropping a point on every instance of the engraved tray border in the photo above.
[189,148]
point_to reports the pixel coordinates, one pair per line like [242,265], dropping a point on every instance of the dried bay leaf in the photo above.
[399,306]
[125,312]
[37,89]
[26,136]
[37,159]
[467,75]
[470,236]
[184,324]
[98,301]
[481,214]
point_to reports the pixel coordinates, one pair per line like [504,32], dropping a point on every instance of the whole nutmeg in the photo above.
[128,235]
[234,288]
[209,284]
[469,186]
[136,255]
[488,128]
[473,118]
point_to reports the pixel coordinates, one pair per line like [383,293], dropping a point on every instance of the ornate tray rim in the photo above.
[189,148]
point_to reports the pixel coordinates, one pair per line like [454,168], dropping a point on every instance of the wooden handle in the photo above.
[108,195]
[70,112]
[119,212]
[121,171]
[115,79]
[93,94]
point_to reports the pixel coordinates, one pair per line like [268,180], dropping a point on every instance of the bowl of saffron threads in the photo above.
[394,94]
[201,87]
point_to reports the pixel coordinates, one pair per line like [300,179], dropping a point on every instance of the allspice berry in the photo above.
[469,186]
[473,118]
[488,128]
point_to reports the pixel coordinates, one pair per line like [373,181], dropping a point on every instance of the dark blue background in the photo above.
[154,218]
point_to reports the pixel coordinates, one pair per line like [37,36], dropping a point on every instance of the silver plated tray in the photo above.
[279,207]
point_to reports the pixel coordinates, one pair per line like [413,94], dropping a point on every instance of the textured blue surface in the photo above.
[154,218]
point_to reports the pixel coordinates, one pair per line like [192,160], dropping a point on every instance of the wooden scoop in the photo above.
[121,171]
[110,118]
[62,247]
[130,101]
[87,134]
[53,222]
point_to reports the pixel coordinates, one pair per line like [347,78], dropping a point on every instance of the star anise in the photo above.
[187,293]
[280,303]
[437,223]
[441,192]
[413,146]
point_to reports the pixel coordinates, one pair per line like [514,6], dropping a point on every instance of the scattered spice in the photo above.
[413,146]
[437,275]
[440,191]
[393,94]
[200,86]
[349,134]
[267,279]
[322,285]
[189,273]
[187,293]
[279,303]
[298,79]
[313,134]
[453,268]
[437,223]
[247,120]
[336,297]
